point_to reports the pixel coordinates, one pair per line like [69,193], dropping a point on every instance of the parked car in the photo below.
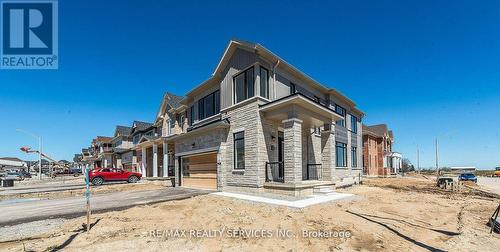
[25,174]
[497,172]
[101,175]
[467,177]
[66,172]
[443,180]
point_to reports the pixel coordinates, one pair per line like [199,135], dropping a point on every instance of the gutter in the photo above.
[274,77]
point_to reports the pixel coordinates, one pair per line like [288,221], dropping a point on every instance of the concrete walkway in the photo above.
[16,211]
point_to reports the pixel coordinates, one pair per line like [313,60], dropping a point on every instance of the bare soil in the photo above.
[408,214]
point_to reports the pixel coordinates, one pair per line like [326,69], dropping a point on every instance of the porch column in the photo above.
[293,150]
[328,151]
[165,159]
[143,161]
[155,160]
[105,162]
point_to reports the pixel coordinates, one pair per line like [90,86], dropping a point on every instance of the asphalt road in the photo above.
[17,212]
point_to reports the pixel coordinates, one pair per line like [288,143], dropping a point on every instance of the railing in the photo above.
[313,172]
[275,172]
[171,171]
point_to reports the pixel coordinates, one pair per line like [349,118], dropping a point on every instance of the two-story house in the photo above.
[258,124]
[379,159]
[122,142]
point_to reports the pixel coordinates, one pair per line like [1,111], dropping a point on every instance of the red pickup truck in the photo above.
[100,175]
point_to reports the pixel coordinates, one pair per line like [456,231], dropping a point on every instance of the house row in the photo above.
[379,159]
[258,124]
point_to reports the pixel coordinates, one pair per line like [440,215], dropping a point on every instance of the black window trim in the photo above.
[235,163]
[201,106]
[344,146]
[244,71]
[260,81]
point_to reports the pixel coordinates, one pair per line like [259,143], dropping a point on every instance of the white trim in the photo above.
[197,152]
[293,97]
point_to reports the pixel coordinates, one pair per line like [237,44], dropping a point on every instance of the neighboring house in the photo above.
[154,150]
[102,151]
[257,125]
[121,142]
[12,163]
[379,159]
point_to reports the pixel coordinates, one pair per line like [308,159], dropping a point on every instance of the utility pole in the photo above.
[437,159]
[418,160]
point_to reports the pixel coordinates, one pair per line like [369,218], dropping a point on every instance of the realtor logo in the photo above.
[29,34]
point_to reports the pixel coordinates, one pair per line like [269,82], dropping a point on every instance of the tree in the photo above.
[407,166]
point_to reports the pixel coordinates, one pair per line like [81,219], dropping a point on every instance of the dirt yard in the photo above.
[387,215]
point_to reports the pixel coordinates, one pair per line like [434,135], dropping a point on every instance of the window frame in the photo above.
[215,103]
[341,111]
[354,157]
[266,88]
[354,123]
[245,84]
[343,146]
[238,136]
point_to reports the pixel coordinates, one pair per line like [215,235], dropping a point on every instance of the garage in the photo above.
[200,171]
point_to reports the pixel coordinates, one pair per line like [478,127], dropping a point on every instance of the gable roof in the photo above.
[122,130]
[140,126]
[104,139]
[174,101]
[12,159]
[379,130]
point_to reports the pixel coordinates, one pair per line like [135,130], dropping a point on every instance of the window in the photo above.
[209,105]
[244,85]
[341,111]
[264,82]
[341,154]
[239,150]
[191,115]
[354,157]
[354,124]
[136,138]
[317,130]
[292,88]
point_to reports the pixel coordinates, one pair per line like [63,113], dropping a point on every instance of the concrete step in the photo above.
[326,189]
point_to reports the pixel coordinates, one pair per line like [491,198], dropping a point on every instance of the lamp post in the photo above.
[39,150]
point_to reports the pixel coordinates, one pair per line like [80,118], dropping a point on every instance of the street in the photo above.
[17,211]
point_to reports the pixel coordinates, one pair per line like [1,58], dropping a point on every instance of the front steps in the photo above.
[322,190]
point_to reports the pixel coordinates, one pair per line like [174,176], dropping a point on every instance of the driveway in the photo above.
[20,211]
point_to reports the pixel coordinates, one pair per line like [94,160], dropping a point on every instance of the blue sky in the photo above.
[426,68]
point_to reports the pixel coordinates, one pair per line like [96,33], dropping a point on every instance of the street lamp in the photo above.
[39,150]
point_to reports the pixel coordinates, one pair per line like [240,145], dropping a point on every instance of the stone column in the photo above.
[155,160]
[293,150]
[165,159]
[328,152]
[143,162]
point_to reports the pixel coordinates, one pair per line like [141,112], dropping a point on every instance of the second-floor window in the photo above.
[243,85]
[209,105]
[191,115]
[341,111]
[354,124]
[264,82]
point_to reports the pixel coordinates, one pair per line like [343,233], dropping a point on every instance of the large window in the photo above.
[191,115]
[354,124]
[244,85]
[354,157]
[209,105]
[239,150]
[341,154]
[264,82]
[341,111]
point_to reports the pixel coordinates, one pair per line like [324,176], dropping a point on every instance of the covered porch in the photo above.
[302,153]
[155,157]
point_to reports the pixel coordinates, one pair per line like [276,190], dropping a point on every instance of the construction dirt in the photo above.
[387,214]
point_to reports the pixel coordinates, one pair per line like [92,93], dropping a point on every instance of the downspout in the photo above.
[274,77]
